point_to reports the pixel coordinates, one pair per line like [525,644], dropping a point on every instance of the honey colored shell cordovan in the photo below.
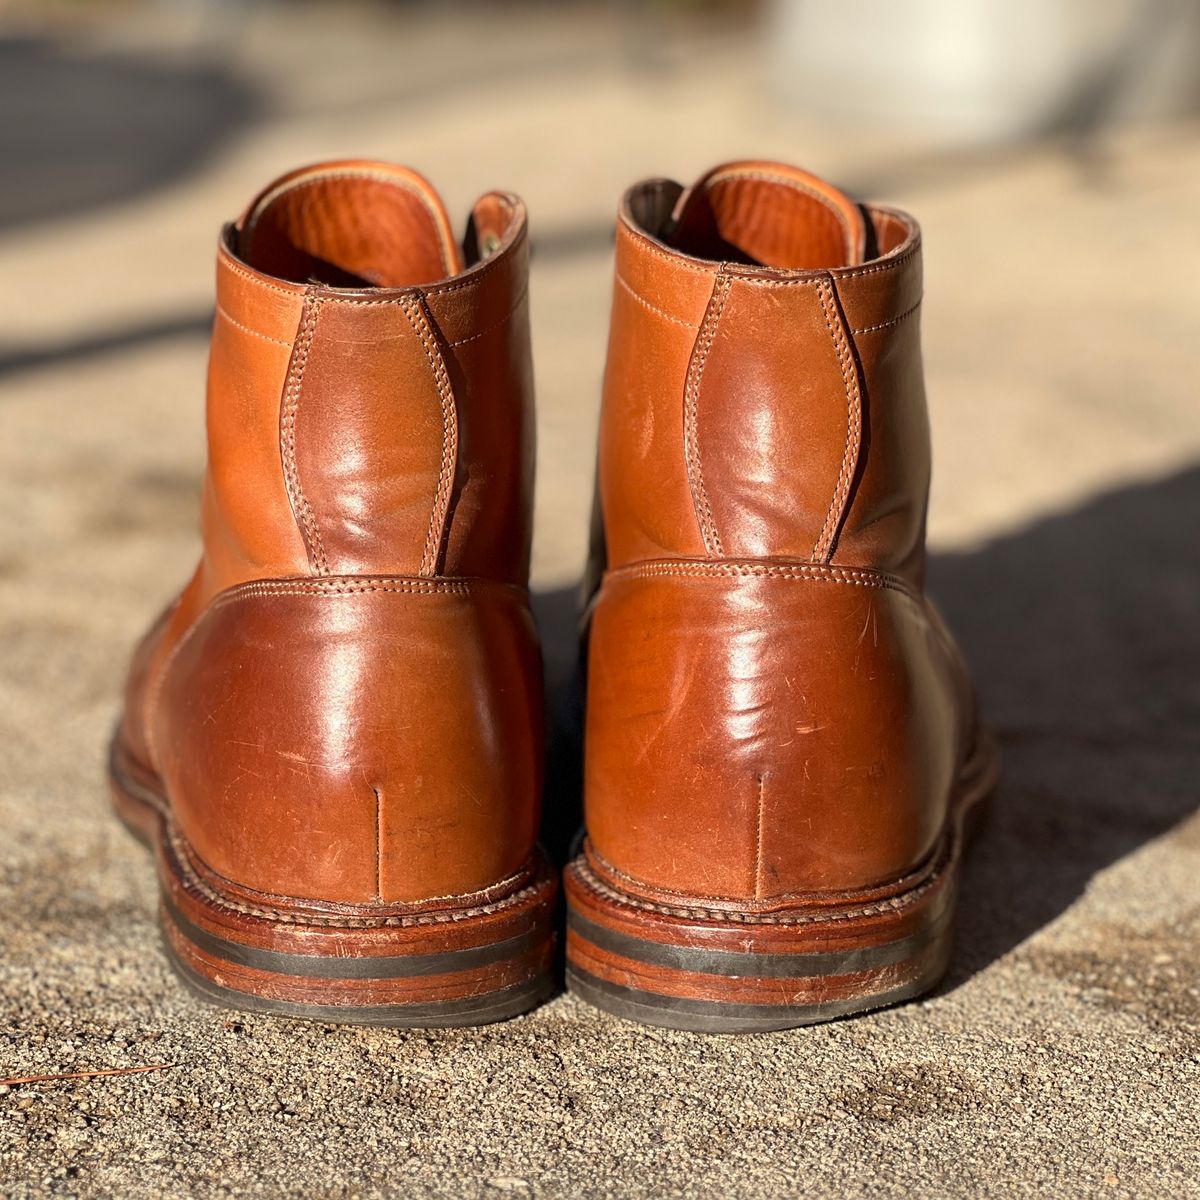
[333,739]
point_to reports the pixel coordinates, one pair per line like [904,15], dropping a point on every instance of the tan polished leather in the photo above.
[345,703]
[774,709]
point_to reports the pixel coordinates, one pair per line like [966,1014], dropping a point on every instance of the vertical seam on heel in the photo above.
[758,840]
[378,843]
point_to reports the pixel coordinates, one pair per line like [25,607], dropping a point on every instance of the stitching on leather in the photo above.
[349,585]
[477,274]
[504,320]
[230,264]
[903,884]
[837,506]
[784,181]
[418,318]
[893,265]
[652,307]
[378,843]
[291,407]
[534,870]
[802,572]
[837,273]
[474,277]
[700,352]
[675,260]
[973,780]
[908,312]
[253,332]
[944,858]
[194,882]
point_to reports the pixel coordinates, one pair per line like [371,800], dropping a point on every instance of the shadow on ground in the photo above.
[1084,636]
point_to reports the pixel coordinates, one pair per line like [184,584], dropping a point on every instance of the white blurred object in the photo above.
[987,69]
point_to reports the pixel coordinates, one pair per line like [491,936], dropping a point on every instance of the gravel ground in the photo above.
[1062,1055]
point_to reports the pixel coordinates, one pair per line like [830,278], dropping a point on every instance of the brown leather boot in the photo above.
[781,739]
[334,737]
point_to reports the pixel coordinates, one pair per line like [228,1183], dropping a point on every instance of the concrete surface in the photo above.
[1062,1055]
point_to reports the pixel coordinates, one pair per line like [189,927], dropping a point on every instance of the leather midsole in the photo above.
[701,960]
[326,966]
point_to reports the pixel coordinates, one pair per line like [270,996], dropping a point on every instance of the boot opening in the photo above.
[350,226]
[771,215]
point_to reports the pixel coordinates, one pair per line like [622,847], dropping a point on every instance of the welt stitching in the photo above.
[504,320]
[908,312]
[290,410]
[418,319]
[700,352]
[892,904]
[202,887]
[253,332]
[652,307]
[841,348]
[902,885]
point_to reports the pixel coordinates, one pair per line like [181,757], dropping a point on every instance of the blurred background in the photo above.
[1050,150]
[1049,147]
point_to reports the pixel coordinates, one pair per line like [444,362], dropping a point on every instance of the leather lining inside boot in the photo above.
[765,214]
[349,227]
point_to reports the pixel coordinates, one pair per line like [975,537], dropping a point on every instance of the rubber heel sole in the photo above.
[690,963]
[716,971]
[486,959]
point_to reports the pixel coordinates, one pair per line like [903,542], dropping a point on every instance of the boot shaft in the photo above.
[747,336]
[370,402]
[773,709]
[354,660]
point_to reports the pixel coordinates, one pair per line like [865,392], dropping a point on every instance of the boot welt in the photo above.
[485,959]
[684,963]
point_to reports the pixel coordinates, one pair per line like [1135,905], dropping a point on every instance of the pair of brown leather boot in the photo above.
[334,738]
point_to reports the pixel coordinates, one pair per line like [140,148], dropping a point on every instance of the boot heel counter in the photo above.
[357,740]
[757,730]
